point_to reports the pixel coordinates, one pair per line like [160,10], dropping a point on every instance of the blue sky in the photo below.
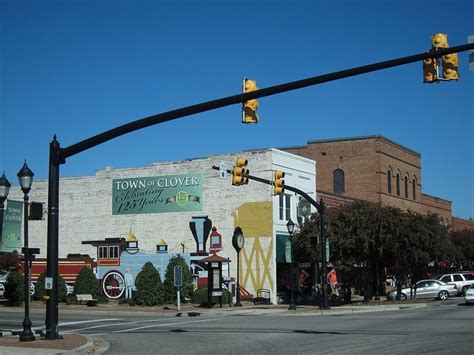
[78,68]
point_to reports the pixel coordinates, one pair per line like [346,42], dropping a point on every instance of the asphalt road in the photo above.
[440,327]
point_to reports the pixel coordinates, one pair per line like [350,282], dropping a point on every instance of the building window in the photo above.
[285,207]
[406,186]
[414,189]
[389,181]
[338,180]
[398,184]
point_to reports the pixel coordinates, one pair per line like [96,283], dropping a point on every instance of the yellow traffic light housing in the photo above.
[278,182]
[430,70]
[249,108]
[239,172]
[450,66]
[450,62]
[439,40]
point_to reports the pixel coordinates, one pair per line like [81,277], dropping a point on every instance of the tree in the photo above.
[169,291]
[14,288]
[40,292]
[367,238]
[463,242]
[9,261]
[149,286]
[87,283]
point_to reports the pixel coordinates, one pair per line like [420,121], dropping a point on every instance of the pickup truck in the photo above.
[461,280]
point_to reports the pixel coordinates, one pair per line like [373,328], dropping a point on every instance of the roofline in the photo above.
[354,139]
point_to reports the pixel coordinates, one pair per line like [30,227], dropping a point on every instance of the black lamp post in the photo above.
[4,190]
[238,241]
[25,176]
[291,228]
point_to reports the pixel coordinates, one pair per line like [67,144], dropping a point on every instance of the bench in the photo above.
[87,299]
[263,296]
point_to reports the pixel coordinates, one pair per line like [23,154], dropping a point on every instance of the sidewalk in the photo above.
[81,344]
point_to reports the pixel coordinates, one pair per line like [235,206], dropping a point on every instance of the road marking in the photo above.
[114,324]
[89,321]
[165,325]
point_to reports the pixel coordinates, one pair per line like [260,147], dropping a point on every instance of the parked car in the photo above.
[469,295]
[2,290]
[427,289]
[461,280]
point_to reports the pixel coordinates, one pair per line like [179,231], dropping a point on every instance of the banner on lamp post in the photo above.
[11,232]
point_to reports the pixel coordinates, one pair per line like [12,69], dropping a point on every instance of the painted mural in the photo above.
[255,219]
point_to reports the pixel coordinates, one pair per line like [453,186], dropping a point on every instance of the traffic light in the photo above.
[35,211]
[439,40]
[249,108]
[278,182]
[450,66]
[430,70]
[239,172]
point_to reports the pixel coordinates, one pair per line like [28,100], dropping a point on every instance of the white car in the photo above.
[427,289]
[469,295]
[2,290]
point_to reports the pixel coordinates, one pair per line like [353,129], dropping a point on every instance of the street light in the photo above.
[25,177]
[291,228]
[4,190]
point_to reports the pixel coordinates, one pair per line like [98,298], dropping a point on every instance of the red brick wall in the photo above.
[460,224]
[365,162]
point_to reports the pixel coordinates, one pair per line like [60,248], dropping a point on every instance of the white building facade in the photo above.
[158,202]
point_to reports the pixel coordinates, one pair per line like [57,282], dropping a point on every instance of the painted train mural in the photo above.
[117,256]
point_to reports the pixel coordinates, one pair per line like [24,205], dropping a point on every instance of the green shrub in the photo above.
[169,291]
[14,287]
[87,283]
[149,286]
[200,297]
[40,291]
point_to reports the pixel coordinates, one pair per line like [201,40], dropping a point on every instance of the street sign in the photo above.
[178,276]
[223,170]
[48,283]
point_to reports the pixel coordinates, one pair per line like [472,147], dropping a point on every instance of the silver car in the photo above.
[427,289]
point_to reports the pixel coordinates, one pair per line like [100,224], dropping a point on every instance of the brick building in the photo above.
[372,168]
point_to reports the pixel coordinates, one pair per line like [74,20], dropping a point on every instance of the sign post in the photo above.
[178,283]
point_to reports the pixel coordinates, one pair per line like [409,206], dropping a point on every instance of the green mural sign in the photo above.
[11,232]
[171,193]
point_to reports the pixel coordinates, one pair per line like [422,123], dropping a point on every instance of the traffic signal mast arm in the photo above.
[317,205]
[91,142]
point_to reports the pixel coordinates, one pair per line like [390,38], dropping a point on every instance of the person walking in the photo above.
[332,278]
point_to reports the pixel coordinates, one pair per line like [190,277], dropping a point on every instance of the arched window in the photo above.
[406,186]
[338,181]
[398,184]
[414,188]
[389,181]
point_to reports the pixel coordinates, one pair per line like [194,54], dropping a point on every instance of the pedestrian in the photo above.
[332,278]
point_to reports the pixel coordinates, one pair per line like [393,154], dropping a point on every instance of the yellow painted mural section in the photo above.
[256,221]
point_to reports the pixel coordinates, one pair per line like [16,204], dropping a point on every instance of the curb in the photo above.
[93,346]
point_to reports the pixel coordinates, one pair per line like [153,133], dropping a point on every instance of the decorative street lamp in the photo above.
[25,177]
[291,228]
[4,190]
[238,242]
